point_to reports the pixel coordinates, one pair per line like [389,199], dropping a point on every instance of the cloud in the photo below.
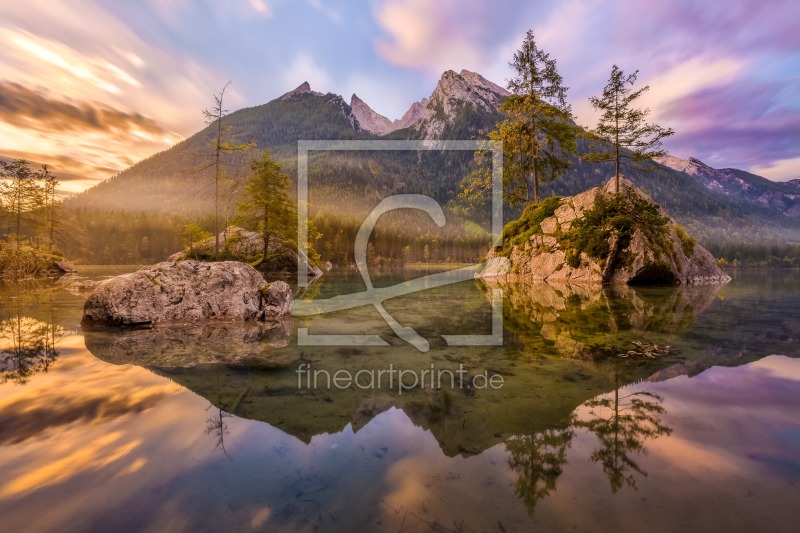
[745,125]
[304,68]
[781,170]
[332,14]
[436,36]
[261,7]
[28,108]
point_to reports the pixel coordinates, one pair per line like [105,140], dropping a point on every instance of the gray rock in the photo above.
[186,292]
[549,225]
[496,266]
[81,285]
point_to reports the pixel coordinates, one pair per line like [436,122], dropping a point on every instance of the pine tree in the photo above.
[222,144]
[623,126]
[19,191]
[48,190]
[538,133]
[266,205]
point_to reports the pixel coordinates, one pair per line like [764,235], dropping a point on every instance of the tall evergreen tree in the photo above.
[19,191]
[266,205]
[222,143]
[48,190]
[538,133]
[623,126]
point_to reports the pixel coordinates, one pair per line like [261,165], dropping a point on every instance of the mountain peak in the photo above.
[451,93]
[303,88]
[368,119]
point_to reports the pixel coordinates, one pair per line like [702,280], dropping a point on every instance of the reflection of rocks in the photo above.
[535,395]
[187,291]
[575,317]
[250,343]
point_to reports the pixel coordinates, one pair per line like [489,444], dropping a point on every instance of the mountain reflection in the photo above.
[27,346]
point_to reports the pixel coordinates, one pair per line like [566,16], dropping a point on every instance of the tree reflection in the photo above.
[538,460]
[622,424]
[220,410]
[27,346]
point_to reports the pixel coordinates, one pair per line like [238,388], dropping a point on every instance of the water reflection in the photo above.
[245,343]
[538,460]
[622,424]
[576,319]
[27,346]
[560,355]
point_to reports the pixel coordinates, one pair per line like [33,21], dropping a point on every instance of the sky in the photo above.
[92,86]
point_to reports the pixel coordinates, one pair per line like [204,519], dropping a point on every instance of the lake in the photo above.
[615,409]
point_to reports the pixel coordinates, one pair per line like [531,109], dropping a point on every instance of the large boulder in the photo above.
[186,292]
[601,237]
[241,245]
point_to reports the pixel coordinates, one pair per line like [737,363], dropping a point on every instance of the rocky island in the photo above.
[601,237]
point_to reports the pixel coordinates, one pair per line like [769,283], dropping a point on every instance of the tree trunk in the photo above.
[616,142]
[216,189]
[266,236]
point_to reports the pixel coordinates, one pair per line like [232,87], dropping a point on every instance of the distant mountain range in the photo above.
[731,182]
[717,205]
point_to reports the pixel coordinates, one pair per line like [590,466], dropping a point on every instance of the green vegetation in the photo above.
[518,232]
[687,241]
[537,132]
[617,215]
[24,261]
[266,206]
[622,126]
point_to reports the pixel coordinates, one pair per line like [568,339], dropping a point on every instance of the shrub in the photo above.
[518,232]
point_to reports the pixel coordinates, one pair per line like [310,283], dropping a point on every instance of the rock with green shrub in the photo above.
[600,236]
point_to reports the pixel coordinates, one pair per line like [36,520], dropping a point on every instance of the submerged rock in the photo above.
[185,292]
[601,237]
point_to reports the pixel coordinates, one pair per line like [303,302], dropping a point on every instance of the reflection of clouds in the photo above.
[156,469]
[28,416]
[93,455]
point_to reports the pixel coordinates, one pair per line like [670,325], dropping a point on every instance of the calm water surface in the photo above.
[657,409]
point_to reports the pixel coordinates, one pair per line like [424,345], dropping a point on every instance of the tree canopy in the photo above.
[537,131]
[623,126]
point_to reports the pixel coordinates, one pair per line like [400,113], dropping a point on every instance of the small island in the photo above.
[601,237]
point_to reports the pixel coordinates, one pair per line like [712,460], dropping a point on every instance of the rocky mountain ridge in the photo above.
[749,188]
[429,115]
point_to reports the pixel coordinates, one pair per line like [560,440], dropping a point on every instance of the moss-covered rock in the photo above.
[599,236]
